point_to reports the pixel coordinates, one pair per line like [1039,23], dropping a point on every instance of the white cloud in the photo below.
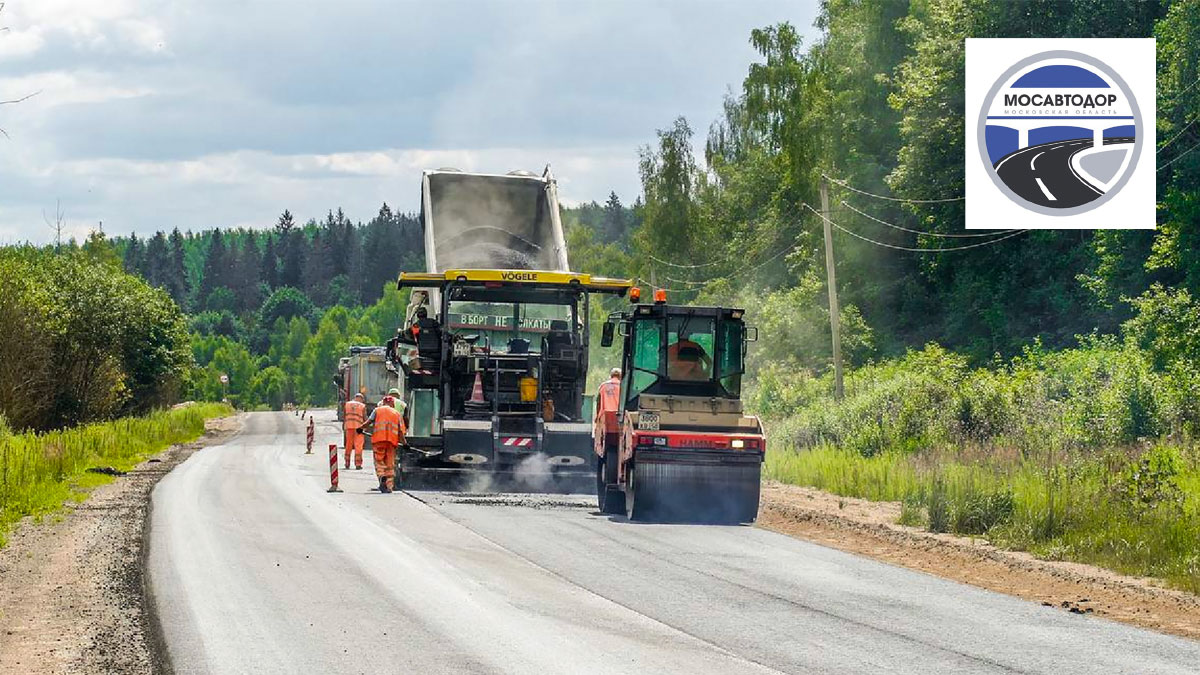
[191,113]
[249,188]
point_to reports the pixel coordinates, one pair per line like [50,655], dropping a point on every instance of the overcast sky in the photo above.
[153,114]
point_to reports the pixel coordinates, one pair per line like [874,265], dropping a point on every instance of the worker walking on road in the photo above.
[387,432]
[355,411]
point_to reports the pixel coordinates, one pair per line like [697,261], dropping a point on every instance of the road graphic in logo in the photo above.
[1060,133]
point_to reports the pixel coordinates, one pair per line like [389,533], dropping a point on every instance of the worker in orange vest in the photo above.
[387,432]
[353,420]
[604,422]
[609,394]
[687,360]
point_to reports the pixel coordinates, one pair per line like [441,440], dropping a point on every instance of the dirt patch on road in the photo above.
[869,528]
[72,596]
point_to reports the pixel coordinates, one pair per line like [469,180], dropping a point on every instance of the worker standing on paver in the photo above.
[387,432]
[355,411]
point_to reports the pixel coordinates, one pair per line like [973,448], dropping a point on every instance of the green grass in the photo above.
[1107,511]
[1088,455]
[42,472]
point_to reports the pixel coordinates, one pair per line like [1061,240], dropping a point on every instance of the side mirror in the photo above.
[606,335]
[751,333]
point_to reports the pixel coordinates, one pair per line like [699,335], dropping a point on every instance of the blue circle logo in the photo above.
[1060,133]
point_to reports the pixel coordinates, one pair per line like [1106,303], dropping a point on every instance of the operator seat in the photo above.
[429,341]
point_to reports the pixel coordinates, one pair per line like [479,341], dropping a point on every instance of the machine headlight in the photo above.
[660,440]
[737,443]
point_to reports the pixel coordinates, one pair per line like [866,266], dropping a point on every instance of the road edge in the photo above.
[869,529]
[151,622]
[74,595]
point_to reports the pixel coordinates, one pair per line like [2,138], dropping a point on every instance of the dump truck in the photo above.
[680,447]
[495,346]
[367,371]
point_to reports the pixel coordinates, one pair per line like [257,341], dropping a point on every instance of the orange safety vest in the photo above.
[356,412]
[388,426]
[610,396]
[685,370]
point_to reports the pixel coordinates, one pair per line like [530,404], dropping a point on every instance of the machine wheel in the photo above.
[609,497]
[636,506]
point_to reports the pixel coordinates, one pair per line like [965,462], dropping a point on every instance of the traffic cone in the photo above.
[477,390]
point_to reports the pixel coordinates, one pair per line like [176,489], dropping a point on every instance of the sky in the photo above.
[154,114]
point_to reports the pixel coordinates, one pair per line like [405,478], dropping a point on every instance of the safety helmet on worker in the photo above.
[360,397]
[394,392]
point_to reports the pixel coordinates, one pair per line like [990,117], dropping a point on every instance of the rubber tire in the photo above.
[614,496]
[632,512]
[600,487]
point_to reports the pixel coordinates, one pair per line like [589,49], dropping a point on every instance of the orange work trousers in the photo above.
[385,461]
[354,440]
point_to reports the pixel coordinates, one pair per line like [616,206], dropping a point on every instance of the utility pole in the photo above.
[831,280]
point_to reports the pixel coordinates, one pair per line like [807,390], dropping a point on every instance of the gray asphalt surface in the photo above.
[1050,163]
[255,569]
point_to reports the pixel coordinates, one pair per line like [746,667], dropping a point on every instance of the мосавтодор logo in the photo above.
[1060,133]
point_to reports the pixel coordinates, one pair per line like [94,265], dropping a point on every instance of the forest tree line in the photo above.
[876,103]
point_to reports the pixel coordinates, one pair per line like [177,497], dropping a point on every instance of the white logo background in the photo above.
[1132,206]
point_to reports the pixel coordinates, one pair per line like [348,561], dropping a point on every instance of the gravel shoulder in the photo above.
[72,597]
[869,528]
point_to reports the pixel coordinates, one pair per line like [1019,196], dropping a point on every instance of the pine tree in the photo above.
[154,266]
[176,281]
[270,264]
[291,246]
[615,223]
[246,284]
[380,246]
[216,267]
[319,268]
[133,255]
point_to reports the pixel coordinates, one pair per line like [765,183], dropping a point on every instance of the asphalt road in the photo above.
[1042,174]
[254,568]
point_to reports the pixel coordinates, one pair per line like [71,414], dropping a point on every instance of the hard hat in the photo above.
[359,395]
[615,372]
[388,401]
[393,392]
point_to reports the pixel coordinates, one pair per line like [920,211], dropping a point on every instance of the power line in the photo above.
[891,199]
[1176,136]
[928,234]
[660,288]
[1185,90]
[688,267]
[909,249]
[1179,156]
[741,272]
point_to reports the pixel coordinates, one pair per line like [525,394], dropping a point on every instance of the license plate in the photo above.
[648,421]
[462,349]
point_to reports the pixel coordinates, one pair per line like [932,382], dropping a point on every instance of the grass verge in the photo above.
[1088,455]
[41,472]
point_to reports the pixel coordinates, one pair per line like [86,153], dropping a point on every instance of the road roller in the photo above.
[678,445]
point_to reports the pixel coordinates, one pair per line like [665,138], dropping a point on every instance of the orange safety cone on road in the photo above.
[477,390]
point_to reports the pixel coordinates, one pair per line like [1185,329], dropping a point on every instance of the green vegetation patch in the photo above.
[1085,454]
[42,472]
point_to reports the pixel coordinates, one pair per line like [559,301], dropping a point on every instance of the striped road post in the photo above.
[333,471]
[311,430]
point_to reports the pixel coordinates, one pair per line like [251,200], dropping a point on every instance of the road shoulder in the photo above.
[869,528]
[72,592]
